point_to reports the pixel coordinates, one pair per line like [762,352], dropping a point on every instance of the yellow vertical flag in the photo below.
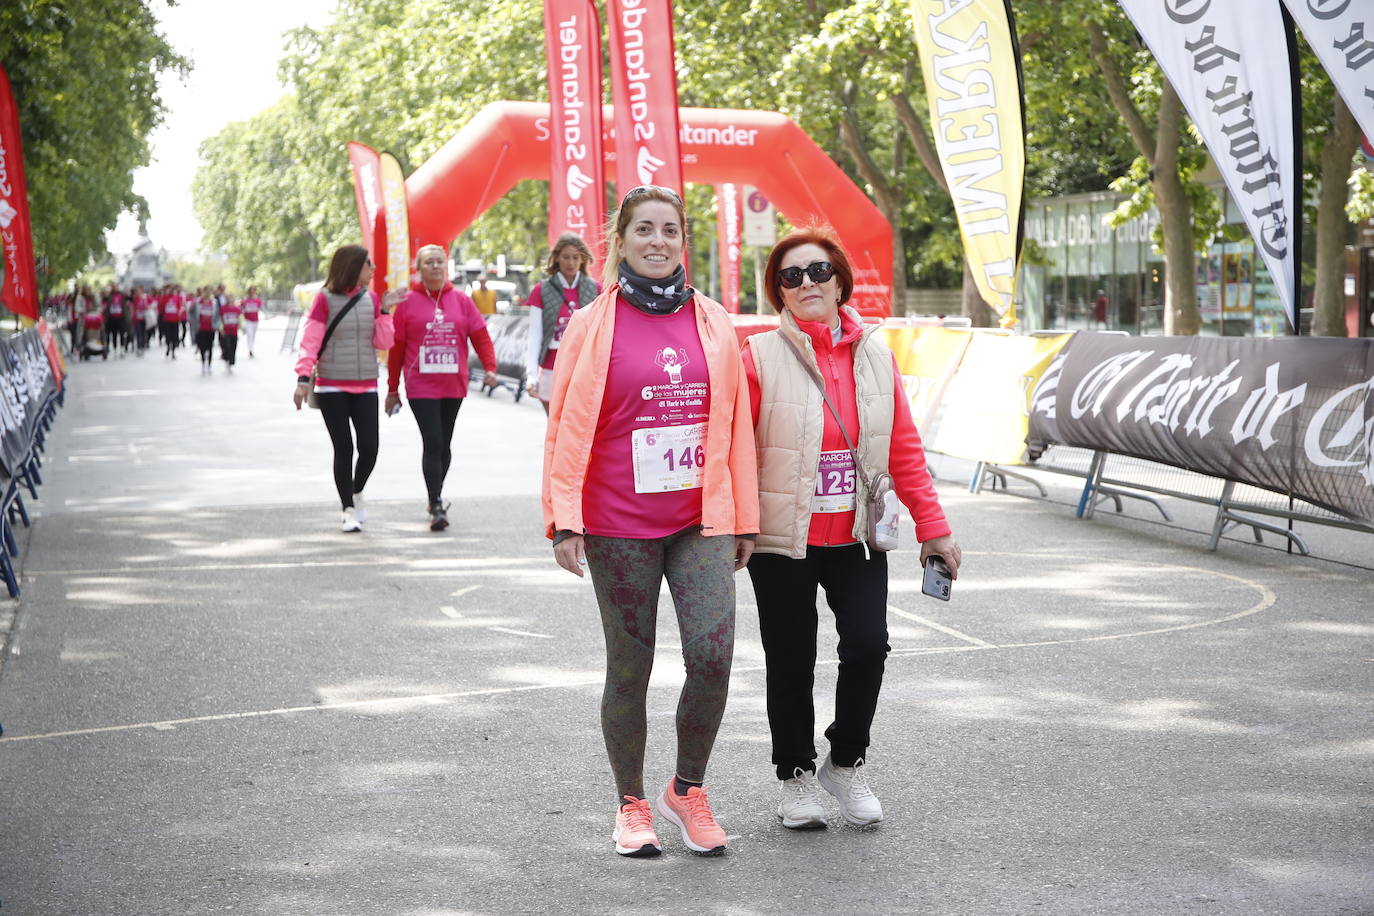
[397,224]
[973,81]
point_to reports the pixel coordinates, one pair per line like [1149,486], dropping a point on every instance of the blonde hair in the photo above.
[424,248]
[621,222]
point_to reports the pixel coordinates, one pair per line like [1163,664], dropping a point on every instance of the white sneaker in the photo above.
[858,805]
[800,807]
[350,521]
[359,509]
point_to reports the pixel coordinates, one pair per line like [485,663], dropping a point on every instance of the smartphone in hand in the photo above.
[936,581]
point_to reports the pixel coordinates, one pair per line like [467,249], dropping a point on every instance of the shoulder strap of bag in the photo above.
[820,383]
[329,332]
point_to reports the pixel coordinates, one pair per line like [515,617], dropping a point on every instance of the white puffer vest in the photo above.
[791,422]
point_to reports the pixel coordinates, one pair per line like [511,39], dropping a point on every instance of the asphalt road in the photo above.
[216,703]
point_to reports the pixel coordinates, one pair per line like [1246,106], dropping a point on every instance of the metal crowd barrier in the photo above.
[1112,477]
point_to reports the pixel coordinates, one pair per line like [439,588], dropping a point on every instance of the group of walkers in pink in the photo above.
[119,321]
[672,454]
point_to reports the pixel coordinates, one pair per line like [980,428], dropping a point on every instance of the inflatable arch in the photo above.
[508,142]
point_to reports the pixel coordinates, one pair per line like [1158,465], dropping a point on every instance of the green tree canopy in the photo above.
[85,77]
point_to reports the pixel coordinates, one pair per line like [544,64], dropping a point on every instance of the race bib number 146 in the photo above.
[668,458]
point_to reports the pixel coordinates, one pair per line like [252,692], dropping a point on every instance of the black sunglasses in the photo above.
[818,271]
[645,189]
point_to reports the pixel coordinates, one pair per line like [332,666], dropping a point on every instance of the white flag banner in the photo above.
[1231,62]
[1341,32]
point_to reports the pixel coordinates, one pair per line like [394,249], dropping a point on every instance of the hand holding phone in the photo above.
[936,581]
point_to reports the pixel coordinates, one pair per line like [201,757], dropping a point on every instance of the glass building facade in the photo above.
[1100,277]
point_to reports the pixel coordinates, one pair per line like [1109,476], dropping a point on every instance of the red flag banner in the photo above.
[16,233]
[727,235]
[644,91]
[577,171]
[368,191]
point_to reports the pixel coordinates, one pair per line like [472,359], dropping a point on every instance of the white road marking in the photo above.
[449,612]
[940,628]
[520,632]
[1267,600]
[464,591]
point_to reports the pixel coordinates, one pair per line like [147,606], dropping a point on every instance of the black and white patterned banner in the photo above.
[1293,415]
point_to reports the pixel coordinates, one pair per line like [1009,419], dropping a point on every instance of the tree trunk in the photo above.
[974,308]
[883,192]
[1175,220]
[1338,153]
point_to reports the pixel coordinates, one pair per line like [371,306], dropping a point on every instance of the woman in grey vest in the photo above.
[344,369]
[551,303]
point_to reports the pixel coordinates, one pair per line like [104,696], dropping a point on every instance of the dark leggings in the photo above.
[205,345]
[338,408]
[436,418]
[627,574]
[856,590]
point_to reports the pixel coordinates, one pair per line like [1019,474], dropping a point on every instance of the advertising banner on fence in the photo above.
[926,358]
[397,266]
[728,242]
[644,92]
[1234,68]
[25,381]
[367,191]
[986,406]
[1287,414]
[1341,32]
[54,352]
[973,80]
[577,170]
[20,293]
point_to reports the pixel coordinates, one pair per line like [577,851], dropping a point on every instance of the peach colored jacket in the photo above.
[730,491]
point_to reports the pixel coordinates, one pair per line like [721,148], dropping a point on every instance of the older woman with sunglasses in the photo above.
[649,475]
[813,516]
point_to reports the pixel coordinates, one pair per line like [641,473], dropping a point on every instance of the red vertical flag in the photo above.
[16,233]
[644,90]
[728,241]
[577,169]
[368,192]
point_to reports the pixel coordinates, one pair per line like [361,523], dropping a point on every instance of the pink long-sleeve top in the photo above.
[383,334]
[907,457]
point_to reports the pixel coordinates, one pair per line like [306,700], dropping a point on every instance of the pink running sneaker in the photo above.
[692,815]
[634,829]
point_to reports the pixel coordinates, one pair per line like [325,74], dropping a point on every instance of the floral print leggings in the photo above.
[627,574]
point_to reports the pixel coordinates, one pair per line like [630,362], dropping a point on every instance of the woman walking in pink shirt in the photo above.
[252,307]
[345,328]
[434,325]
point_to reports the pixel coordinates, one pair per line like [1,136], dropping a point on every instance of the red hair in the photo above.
[823,236]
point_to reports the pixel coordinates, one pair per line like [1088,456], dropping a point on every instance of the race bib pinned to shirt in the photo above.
[439,349]
[834,482]
[669,458]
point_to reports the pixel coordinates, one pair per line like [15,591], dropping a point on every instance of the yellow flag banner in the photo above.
[397,224]
[973,81]
[987,406]
[927,359]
